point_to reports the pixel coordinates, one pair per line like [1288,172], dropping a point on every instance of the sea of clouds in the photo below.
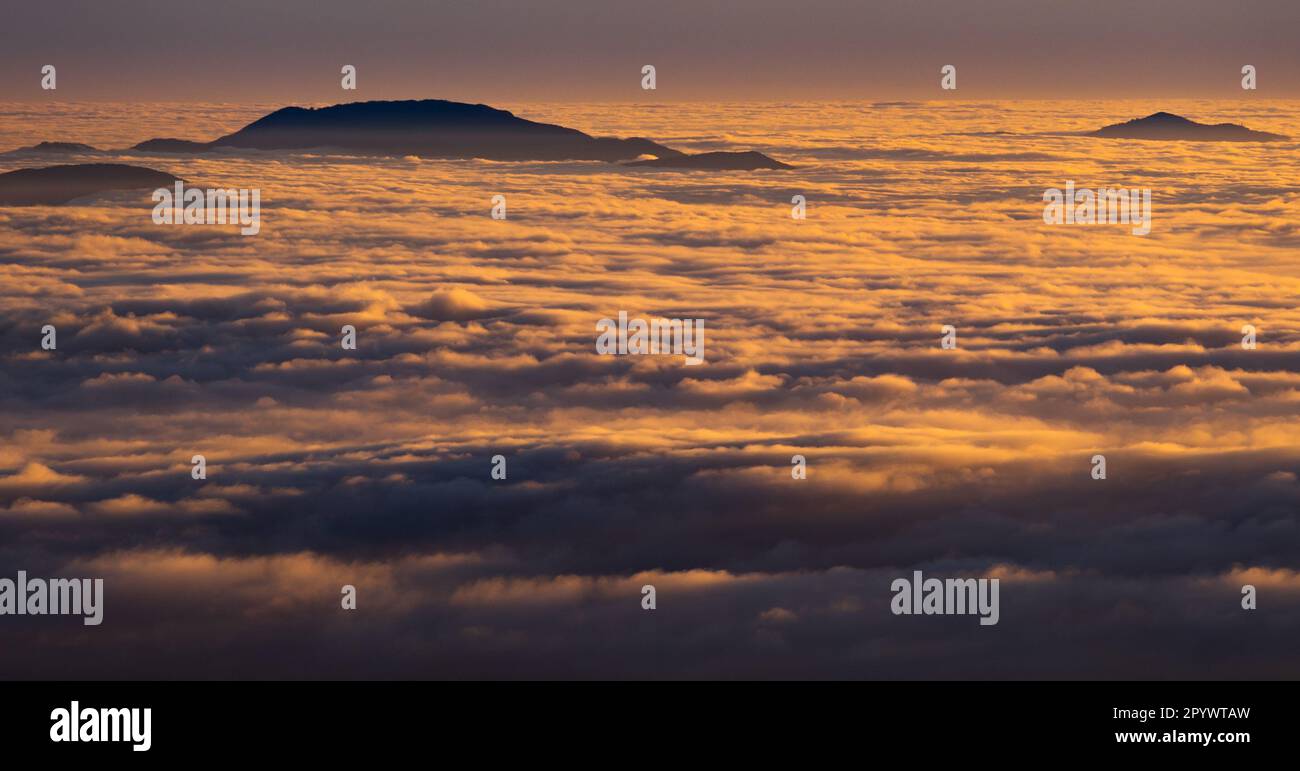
[476,337]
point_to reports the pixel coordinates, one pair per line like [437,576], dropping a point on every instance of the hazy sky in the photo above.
[513,50]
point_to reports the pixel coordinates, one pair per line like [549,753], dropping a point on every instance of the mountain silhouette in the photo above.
[59,184]
[720,161]
[56,148]
[434,128]
[1167,126]
[430,128]
[172,146]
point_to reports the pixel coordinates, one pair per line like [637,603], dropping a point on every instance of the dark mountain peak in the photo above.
[57,148]
[720,161]
[59,184]
[172,146]
[433,128]
[437,128]
[1168,126]
[392,114]
[430,128]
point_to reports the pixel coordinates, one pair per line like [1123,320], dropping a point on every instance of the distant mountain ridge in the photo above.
[1167,126]
[172,146]
[718,161]
[432,128]
[429,128]
[53,148]
[54,185]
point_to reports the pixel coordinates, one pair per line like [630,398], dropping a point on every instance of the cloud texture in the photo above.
[476,338]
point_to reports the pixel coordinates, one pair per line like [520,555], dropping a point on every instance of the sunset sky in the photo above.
[582,50]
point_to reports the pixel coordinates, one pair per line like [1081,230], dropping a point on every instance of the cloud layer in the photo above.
[476,338]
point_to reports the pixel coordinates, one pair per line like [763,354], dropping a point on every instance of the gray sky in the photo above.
[520,50]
